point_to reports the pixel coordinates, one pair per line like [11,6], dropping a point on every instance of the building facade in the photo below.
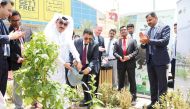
[82,13]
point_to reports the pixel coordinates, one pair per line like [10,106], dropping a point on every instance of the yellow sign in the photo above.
[28,8]
[51,6]
[42,10]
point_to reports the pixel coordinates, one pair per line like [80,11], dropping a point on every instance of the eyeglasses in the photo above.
[123,29]
[87,39]
[112,33]
[15,20]
[62,23]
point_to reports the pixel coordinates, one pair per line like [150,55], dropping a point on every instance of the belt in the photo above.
[111,59]
[3,57]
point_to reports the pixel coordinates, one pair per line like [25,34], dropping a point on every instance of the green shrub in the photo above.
[33,76]
[9,90]
[113,98]
[173,100]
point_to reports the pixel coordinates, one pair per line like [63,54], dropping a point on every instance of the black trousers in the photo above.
[3,75]
[86,87]
[173,64]
[157,79]
[122,69]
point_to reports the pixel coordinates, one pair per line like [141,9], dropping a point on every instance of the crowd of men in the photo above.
[121,53]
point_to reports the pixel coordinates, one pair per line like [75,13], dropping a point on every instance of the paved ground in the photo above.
[141,101]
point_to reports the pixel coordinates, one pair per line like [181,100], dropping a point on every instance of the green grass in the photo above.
[183,73]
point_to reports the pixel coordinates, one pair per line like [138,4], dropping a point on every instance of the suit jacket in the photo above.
[100,43]
[159,45]
[92,54]
[132,51]
[28,33]
[4,39]
[15,51]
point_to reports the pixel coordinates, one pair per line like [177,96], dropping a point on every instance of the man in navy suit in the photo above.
[155,42]
[5,37]
[89,54]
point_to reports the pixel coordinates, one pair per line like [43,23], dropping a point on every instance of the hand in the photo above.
[10,75]
[121,59]
[68,66]
[79,66]
[143,38]
[105,60]
[20,60]
[86,71]
[75,63]
[144,41]
[126,58]
[101,49]
[16,35]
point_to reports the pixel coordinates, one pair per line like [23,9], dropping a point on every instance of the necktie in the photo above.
[99,41]
[151,37]
[109,45]
[175,46]
[131,36]
[84,56]
[124,47]
[21,45]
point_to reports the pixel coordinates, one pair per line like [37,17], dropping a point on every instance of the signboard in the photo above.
[42,10]
[28,8]
[51,7]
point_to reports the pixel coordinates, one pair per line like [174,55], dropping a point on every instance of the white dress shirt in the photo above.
[173,52]
[110,54]
[95,38]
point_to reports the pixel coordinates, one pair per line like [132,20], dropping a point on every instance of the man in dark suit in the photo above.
[16,49]
[155,42]
[5,12]
[88,50]
[125,50]
[100,40]
[171,79]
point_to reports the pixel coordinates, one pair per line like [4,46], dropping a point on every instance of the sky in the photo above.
[131,6]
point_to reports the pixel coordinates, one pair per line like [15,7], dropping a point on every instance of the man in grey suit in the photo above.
[125,50]
[5,37]
[155,42]
[100,40]
[89,54]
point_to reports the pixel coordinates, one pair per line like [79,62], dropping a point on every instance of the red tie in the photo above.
[84,57]
[124,47]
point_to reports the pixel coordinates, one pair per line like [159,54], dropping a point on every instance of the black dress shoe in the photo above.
[82,103]
[134,98]
[150,106]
